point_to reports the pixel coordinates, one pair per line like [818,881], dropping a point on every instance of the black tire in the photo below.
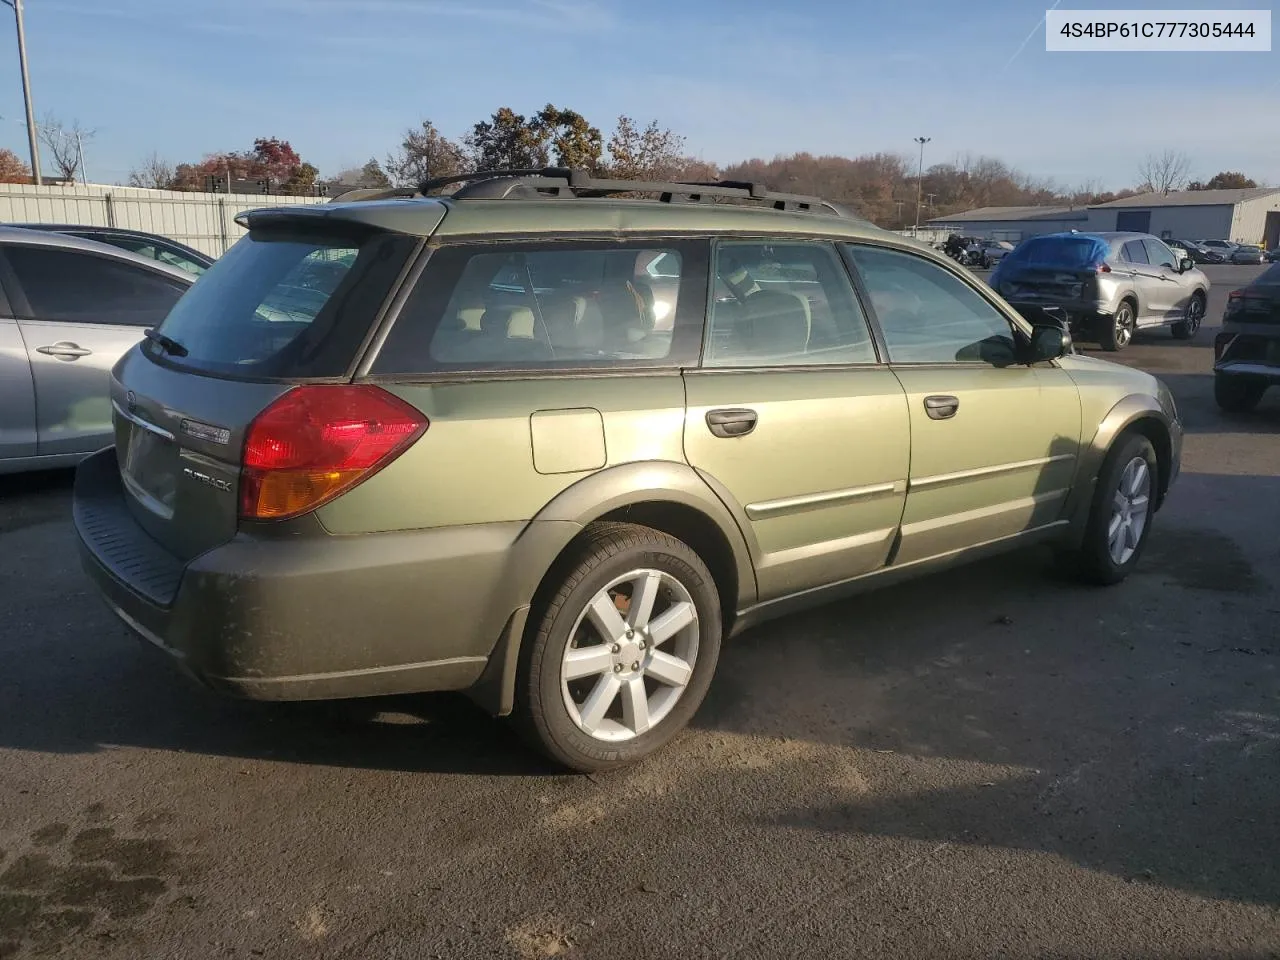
[1117,330]
[1236,394]
[1187,329]
[605,552]
[1092,561]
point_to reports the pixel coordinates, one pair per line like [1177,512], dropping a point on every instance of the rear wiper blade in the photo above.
[167,344]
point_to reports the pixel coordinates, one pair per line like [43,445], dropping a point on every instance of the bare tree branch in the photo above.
[65,144]
[155,173]
[1164,172]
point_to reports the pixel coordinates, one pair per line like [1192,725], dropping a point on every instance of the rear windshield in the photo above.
[285,304]
[1060,251]
[1270,276]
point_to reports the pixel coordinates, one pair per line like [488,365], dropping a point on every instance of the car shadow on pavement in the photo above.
[1132,730]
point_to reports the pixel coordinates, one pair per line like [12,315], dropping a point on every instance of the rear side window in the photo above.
[784,303]
[564,305]
[74,287]
[286,304]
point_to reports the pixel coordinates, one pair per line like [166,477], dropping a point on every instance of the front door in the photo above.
[993,443]
[793,420]
[80,312]
[1175,291]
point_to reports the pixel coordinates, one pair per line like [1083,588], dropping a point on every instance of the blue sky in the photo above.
[341,79]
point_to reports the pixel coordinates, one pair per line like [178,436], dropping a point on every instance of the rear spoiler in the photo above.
[418,219]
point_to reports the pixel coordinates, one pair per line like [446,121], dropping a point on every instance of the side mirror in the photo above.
[1048,342]
[1185,264]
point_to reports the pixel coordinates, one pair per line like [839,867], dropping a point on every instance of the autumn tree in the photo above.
[572,141]
[154,172]
[1163,172]
[271,159]
[651,153]
[12,169]
[507,141]
[1226,180]
[424,153]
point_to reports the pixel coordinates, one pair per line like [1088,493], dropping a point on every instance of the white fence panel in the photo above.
[205,221]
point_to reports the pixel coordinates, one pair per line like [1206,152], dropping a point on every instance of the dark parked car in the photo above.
[1273,255]
[1247,350]
[144,244]
[1198,252]
[1245,254]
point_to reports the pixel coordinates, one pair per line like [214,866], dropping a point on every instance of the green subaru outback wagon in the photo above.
[549,442]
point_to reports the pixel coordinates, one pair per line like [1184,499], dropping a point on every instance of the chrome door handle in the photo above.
[941,408]
[64,350]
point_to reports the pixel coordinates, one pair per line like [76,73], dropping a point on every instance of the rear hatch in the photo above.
[292,303]
[1059,268]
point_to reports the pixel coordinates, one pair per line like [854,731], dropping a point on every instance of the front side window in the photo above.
[927,314]
[784,303]
[1159,254]
[551,305]
[75,287]
[1134,252]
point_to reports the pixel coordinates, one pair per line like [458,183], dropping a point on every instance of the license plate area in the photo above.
[149,470]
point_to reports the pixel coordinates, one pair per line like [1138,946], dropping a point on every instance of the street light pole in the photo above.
[32,138]
[920,181]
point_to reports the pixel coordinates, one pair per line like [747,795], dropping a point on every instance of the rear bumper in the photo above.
[305,618]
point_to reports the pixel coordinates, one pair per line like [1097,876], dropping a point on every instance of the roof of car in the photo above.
[422,217]
[113,231]
[46,238]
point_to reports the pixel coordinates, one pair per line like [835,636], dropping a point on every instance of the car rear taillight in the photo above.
[316,442]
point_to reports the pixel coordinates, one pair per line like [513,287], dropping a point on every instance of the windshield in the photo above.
[281,304]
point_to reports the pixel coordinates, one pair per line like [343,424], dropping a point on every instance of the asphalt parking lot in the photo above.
[988,762]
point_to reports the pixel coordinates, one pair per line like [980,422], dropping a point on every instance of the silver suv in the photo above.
[1109,285]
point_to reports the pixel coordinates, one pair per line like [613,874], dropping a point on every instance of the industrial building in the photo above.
[1249,216]
[1242,216]
[1012,223]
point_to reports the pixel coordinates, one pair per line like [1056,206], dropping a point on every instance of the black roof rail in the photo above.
[566,182]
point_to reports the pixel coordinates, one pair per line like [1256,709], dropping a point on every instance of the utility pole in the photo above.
[84,177]
[32,137]
[920,180]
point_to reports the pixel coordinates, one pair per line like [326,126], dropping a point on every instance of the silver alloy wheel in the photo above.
[1195,313]
[1124,325]
[1129,511]
[615,653]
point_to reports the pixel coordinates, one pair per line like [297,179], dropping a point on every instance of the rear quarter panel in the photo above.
[499,450]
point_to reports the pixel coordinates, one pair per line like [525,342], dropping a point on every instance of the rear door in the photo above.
[79,312]
[285,305]
[794,418]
